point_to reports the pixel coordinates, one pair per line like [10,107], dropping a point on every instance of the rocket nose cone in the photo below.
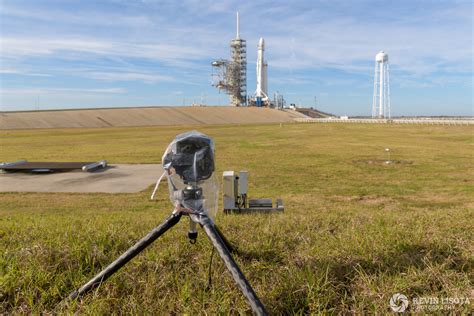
[261,42]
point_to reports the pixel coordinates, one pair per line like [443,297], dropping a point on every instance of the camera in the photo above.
[191,156]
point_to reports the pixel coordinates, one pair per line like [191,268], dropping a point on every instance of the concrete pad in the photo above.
[120,178]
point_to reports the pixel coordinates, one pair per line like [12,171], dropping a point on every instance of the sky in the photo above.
[58,54]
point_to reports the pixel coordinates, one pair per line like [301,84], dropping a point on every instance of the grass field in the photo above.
[355,231]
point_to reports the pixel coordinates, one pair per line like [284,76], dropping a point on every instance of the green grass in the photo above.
[353,233]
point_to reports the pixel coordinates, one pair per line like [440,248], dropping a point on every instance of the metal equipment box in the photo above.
[234,196]
[243,182]
[229,188]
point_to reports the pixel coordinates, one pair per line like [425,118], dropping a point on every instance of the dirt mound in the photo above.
[144,116]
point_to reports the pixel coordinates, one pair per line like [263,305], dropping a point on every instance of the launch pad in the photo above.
[231,75]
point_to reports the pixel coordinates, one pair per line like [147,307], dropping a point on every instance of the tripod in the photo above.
[191,195]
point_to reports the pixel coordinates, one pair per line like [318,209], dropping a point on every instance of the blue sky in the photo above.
[70,54]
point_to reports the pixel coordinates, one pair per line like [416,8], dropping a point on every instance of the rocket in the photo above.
[261,94]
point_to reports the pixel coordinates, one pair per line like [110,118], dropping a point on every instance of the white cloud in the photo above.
[346,45]
[13,71]
[79,17]
[128,76]
[10,71]
[74,49]
[34,46]
[38,91]
[301,37]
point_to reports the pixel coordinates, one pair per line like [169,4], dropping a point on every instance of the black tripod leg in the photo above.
[233,268]
[127,255]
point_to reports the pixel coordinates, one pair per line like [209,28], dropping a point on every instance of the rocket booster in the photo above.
[261,72]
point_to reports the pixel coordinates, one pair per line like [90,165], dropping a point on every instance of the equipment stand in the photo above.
[127,255]
[215,236]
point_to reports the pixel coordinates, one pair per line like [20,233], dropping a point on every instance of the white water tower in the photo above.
[381,101]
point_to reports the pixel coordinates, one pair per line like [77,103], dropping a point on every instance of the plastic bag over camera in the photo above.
[189,164]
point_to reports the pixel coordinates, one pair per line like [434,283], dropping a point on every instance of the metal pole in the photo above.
[388,92]
[127,255]
[374,100]
[233,268]
[237,36]
[382,79]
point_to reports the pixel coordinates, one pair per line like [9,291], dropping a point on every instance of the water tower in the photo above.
[381,101]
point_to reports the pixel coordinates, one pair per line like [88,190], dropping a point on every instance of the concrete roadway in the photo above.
[120,178]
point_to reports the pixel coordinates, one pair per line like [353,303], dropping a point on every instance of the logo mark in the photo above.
[398,303]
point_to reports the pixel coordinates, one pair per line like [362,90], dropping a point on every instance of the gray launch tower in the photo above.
[231,76]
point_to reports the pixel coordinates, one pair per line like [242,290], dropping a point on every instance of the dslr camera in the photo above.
[191,155]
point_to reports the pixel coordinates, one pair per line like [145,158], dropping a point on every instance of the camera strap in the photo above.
[157,185]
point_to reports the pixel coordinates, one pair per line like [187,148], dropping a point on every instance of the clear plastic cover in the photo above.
[190,169]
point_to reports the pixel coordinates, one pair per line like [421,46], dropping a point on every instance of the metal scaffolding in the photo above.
[231,76]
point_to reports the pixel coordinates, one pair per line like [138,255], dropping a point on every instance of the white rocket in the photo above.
[261,94]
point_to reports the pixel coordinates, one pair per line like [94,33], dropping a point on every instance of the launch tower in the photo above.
[231,76]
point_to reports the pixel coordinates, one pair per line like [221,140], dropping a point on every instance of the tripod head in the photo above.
[189,165]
